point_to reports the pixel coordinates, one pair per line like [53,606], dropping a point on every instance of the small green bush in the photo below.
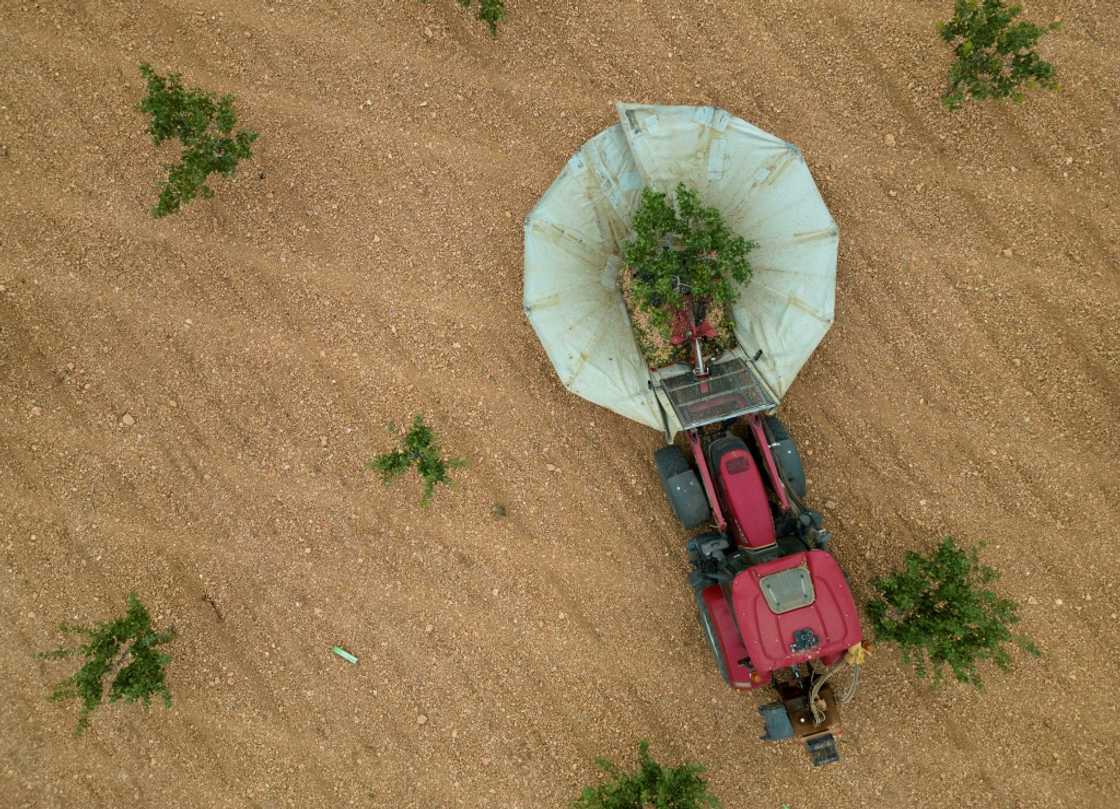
[680,247]
[939,610]
[204,126]
[419,448]
[124,650]
[995,57]
[651,786]
[490,12]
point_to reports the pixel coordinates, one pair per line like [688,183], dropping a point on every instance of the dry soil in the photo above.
[186,404]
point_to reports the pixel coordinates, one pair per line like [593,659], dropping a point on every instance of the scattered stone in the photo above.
[1032,601]
[892,193]
[428,629]
[36,410]
[552,468]
[427,32]
[494,592]
[888,139]
[1057,602]
[127,420]
[376,238]
[830,504]
[1007,252]
[421,720]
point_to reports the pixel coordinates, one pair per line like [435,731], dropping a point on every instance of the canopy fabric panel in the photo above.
[574,238]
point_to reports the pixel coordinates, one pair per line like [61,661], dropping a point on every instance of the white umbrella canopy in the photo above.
[574,238]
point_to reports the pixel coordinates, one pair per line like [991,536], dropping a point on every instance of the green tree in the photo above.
[490,12]
[651,786]
[123,651]
[995,56]
[419,448]
[940,611]
[681,248]
[204,124]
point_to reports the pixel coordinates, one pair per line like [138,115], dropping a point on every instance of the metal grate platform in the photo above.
[731,390]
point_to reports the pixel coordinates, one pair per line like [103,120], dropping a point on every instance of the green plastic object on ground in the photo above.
[345,655]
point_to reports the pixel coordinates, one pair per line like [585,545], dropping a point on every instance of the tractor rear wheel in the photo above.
[682,487]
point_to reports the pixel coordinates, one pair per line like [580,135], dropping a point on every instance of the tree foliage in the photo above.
[419,448]
[995,56]
[124,651]
[651,786]
[490,12]
[681,248]
[940,611]
[204,124]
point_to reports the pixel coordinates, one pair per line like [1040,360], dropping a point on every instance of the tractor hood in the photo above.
[795,609]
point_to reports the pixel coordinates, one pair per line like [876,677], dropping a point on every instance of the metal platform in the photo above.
[731,389]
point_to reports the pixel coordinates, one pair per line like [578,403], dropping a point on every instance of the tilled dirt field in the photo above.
[366,265]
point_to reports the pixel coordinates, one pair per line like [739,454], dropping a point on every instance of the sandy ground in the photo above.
[366,266]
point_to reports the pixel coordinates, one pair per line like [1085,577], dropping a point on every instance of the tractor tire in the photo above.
[682,487]
[710,637]
[786,456]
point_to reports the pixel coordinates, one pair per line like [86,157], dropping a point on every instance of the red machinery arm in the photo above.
[706,479]
[755,422]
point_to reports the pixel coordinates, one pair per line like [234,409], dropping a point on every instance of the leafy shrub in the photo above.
[490,12]
[995,56]
[204,126]
[123,650]
[939,609]
[419,448]
[651,786]
[681,248]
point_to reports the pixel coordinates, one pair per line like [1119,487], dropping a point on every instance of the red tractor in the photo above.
[773,603]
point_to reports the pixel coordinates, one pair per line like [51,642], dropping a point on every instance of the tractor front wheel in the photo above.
[682,487]
[786,455]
